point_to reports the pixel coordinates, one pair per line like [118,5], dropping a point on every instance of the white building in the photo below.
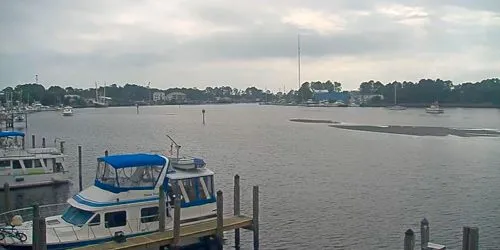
[159,96]
[177,97]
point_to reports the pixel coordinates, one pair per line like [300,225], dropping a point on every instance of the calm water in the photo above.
[321,187]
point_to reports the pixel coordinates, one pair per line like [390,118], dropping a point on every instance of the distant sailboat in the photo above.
[100,101]
[396,106]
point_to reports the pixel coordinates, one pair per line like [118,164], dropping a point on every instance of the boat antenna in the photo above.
[177,146]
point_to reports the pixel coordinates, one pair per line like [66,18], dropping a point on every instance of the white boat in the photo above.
[32,167]
[123,200]
[67,111]
[396,106]
[434,109]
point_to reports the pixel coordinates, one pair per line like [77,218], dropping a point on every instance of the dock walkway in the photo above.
[155,240]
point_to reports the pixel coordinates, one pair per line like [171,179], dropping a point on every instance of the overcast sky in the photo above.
[199,43]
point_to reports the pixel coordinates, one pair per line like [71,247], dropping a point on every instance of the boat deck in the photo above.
[155,240]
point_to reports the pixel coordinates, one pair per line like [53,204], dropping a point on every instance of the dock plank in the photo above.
[192,230]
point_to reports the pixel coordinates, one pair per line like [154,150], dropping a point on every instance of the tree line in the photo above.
[424,91]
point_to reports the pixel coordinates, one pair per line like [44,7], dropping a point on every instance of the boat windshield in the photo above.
[76,216]
[139,177]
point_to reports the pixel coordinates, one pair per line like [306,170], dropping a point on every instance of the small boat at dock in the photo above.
[32,167]
[67,111]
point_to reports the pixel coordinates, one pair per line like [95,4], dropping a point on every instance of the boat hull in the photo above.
[434,111]
[34,180]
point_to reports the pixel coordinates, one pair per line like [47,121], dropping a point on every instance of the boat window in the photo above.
[209,182]
[205,187]
[4,164]
[76,216]
[106,174]
[28,164]
[16,164]
[149,214]
[143,176]
[38,163]
[115,219]
[190,189]
[96,220]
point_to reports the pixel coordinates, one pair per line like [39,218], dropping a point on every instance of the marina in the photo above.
[273,224]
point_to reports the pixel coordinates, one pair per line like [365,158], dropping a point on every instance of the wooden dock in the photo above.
[156,240]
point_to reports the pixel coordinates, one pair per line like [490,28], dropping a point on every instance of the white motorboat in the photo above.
[32,167]
[123,199]
[67,111]
[434,109]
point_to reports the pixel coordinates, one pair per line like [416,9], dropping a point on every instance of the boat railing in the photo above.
[27,213]
[67,233]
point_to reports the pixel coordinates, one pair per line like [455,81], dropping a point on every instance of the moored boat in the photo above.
[32,167]
[434,109]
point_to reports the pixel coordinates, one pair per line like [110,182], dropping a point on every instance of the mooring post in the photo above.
[36,228]
[43,142]
[203,115]
[6,193]
[137,106]
[470,240]
[177,220]
[33,144]
[23,141]
[255,217]
[162,210]
[61,146]
[409,240]
[25,120]
[424,234]
[220,219]
[106,153]
[43,233]
[80,185]
[237,209]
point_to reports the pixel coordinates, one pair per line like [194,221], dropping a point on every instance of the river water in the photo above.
[321,187]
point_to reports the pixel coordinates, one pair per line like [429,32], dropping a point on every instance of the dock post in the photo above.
[33,144]
[25,120]
[6,193]
[61,146]
[409,240]
[36,228]
[255,217]
[43,142]
[237,209]
[23,142]
[162,210]
[203,114]
[106,153]
[424,234]
[177,221]
[80,168]
[470,240]
[43,233]
[219,232]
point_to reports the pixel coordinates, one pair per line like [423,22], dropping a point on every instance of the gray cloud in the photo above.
[75,42]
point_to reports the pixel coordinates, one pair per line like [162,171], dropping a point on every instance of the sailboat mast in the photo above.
[298,57]
[96,93]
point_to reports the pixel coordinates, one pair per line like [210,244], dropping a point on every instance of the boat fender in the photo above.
[119,237]
[19,178]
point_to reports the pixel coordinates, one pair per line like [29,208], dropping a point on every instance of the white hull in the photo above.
[434,111]
[34,180]
[67,113]
[397,107]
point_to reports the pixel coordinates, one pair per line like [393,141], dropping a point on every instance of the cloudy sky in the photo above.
[199,43]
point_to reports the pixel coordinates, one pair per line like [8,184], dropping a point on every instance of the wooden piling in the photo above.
[23,141]
[162,210]
[36,228]
[26,120]
[43,142]
[220,219]
[80,185]
[470,240]
[43,233]
[106,153]
[255,219]
[409,243]
[33,144]
[203,114]
[424,234]
[6,193]
[61,146]
[236,209]
[177,220]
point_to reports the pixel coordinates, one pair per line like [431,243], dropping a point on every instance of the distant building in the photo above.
[177,97]
[325,95]
[159,96]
